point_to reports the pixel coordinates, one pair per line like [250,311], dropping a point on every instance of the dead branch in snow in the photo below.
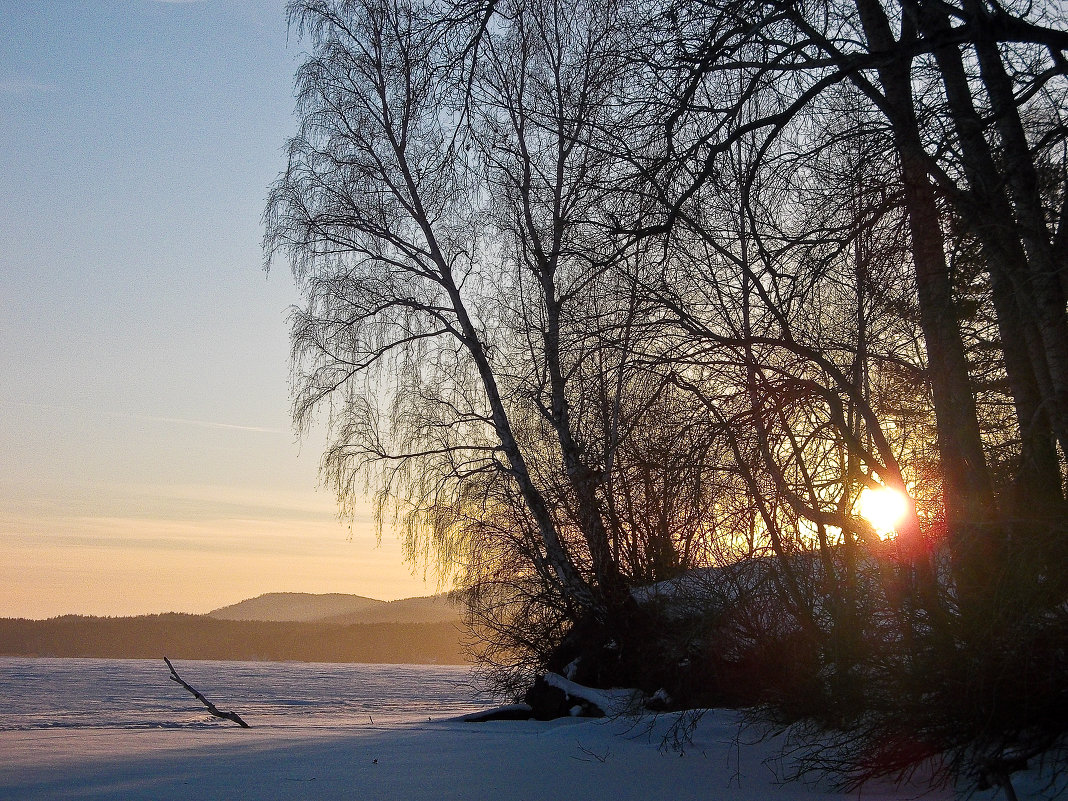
[232,716]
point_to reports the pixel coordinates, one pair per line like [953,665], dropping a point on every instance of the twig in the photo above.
[592,754]
[232,716]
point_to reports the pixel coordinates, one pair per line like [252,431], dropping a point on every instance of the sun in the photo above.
[883,507]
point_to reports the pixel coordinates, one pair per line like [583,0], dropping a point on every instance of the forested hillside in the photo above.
[200,637]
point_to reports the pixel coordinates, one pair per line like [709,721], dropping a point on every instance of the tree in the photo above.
[382,228]
[603,292]
[766,80]
[445,209]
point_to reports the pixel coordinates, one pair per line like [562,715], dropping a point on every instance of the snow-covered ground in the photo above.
[327,757]
[498,761]
[572,758]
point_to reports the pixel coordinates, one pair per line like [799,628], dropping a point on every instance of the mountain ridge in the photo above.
[338,609]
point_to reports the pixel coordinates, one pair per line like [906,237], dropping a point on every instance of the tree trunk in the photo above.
[968,491]
[1043,271]
[585,481]
[987,210]
[574,586]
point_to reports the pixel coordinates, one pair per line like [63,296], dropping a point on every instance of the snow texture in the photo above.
[292,753]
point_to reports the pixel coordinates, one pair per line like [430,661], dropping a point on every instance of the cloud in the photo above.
[24,85]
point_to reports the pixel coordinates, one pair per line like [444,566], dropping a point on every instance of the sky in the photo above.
[147,460]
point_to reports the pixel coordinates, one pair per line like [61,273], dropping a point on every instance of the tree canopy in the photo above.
[599,295]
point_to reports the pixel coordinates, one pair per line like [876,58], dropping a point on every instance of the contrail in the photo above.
[210,424]
[153,418]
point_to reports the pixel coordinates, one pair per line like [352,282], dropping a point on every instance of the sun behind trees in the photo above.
[606,295]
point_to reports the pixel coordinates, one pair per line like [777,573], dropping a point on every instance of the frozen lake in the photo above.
[106,729]
[139,694]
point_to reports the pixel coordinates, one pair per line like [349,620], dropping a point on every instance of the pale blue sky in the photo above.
[146,457]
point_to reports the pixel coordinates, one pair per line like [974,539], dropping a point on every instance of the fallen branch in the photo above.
[232,716]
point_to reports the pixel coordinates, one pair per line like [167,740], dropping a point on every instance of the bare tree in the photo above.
[448,210]
[598,293]
[382,224]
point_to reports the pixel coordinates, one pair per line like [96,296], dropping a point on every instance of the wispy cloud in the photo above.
[152,418]
[24,85]
[208,423]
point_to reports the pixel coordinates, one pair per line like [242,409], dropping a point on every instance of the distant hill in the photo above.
[286,607]
[339,609]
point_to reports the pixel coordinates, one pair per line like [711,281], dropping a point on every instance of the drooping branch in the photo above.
[215,712]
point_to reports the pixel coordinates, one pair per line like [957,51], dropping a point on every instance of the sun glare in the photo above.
[884,508]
